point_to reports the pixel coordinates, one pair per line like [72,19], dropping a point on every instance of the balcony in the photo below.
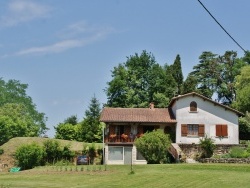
[120,138]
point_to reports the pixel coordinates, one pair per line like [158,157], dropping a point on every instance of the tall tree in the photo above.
[139,81]
[13,97]
[190,84]
[215,75]
[242,102]
[15,121]
[68,130]
[230,68]
[206,73]
[91,130]
[176,71]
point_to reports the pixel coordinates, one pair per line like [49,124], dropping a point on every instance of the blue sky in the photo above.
[65,50]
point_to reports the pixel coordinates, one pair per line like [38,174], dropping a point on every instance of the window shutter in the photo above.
[218,130]
[201,130]
[224,130]
[183,129]
[221,130]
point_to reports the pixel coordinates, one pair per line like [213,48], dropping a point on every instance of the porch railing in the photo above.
[119,138]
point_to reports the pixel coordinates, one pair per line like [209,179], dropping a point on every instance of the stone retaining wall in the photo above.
[194,150]
[226,160]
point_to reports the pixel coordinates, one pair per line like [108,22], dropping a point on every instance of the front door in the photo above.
[127,155]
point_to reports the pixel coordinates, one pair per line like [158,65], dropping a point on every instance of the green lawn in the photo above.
[169,175]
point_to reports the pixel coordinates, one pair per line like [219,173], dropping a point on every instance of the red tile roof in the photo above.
[146,115]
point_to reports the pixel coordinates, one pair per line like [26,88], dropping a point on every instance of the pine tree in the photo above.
[91,127]
[177,74]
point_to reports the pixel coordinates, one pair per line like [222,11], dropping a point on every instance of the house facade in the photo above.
[188,118]
[198,116]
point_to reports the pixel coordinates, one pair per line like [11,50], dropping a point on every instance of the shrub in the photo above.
[29,156]
[52,150]
[92,153]
[1,151]
[238,152]
[153,146]
[207,145]
[67,154]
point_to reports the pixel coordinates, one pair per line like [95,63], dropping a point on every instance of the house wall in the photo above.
[123,161]
[208,114]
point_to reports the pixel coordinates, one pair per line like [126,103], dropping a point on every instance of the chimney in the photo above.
[151,105]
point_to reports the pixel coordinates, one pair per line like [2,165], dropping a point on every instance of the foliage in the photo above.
[15,121]
[189,85]
[1,151]
[67,154]
[244,126]
[29,156]
[91,129]
[216,75]
[238,152]
[176,71]
[66,131]
[13,93]
[242,102]
[139,81]
[92,153]
[71,120]
[54,151]
[207,145]
[153,146]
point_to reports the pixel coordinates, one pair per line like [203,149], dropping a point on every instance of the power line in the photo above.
[222,26]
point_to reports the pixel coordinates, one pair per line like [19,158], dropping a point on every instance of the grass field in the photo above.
[169,175]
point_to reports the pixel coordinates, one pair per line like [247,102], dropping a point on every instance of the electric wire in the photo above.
[222,27]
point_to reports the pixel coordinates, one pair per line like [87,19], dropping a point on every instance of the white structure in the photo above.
[187,119]
[198,116]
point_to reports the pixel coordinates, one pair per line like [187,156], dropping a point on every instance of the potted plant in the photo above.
[112,137]
[124,137]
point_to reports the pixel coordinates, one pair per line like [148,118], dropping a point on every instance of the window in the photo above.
[221,130]
[193,106]
[192,130]
[119,130]
[115,153]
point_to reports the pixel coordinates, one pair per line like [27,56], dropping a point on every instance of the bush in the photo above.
[29,156]
[153,146]
[207,145]
[67,154]
[52,150]
[1,151]
[238,152]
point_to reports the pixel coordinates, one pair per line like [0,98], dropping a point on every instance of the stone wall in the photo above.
[226,160]
[194,150]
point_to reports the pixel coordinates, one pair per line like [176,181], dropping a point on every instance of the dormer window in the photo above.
[193,106]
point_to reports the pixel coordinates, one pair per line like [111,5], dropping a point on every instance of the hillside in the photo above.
[7,159]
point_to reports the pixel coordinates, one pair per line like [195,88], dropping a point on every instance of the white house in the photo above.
[188,118]
[197,116]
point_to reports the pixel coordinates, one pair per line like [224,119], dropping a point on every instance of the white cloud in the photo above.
[78,35]
[74,36]
[53,48]
[20,11]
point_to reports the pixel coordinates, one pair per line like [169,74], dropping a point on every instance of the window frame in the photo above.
[200,130]
[110,154]
[193,107]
